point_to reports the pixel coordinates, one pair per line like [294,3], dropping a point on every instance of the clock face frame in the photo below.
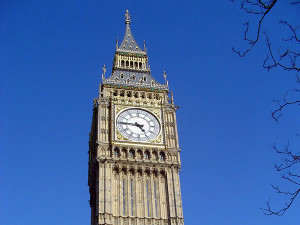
[138,125]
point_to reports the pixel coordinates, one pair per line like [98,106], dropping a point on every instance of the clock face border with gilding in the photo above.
[117,136]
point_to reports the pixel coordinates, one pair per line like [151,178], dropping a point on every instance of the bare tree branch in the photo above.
[268,211]
[289,161]
[277,113]
[285,58]
[262,8]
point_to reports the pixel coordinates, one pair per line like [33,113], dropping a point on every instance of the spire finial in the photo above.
[127,17]
[145,48]
[117,44]
[172,97]
[165,76]
[104,70]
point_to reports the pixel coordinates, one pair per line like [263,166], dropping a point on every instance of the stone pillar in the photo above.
[171,195]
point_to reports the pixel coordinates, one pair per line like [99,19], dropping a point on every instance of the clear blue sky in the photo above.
[51,54]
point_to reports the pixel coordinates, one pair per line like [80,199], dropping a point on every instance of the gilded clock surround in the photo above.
[118,137]
[130,182]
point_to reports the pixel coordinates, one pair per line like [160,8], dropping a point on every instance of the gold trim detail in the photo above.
[121,137]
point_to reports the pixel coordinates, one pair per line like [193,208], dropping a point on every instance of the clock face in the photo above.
[138,125]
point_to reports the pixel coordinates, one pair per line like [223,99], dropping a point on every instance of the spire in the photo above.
[130,64]
[129,42]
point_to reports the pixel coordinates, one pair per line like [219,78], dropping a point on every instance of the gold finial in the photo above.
[127,17]
[104,70]
[117,44]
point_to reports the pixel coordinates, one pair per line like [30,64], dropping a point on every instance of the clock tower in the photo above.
[134,154]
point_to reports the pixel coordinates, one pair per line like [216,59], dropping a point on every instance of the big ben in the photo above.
[134,154]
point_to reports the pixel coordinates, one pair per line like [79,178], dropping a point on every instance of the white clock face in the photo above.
[138,125]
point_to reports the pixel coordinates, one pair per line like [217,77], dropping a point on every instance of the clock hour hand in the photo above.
[140,126]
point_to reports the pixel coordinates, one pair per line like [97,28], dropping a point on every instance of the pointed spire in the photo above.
[128,42]
[130,64]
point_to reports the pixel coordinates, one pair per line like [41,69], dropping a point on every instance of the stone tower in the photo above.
[134,154]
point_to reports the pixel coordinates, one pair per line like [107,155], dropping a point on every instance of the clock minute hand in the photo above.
[133,124]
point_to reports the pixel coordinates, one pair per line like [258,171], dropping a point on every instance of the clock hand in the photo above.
[134,124]
[140,126]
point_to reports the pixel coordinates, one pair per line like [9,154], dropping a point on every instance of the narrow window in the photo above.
[147,192]
[131,155]
[146,155]
[155,199]
[123,189]
[131,196]
[161,156]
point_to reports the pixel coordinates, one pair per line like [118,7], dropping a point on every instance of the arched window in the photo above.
[140,154]
[162,156]
[131,64]
[154,155]
[124,153]
[147,155]
[122,63]
[140,65]
[127,64]
[131,154]
[136,65]
[116,152]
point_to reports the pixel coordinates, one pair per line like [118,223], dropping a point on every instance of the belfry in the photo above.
[134,154]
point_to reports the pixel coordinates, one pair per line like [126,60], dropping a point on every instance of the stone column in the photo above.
[101,193]
[170,193]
